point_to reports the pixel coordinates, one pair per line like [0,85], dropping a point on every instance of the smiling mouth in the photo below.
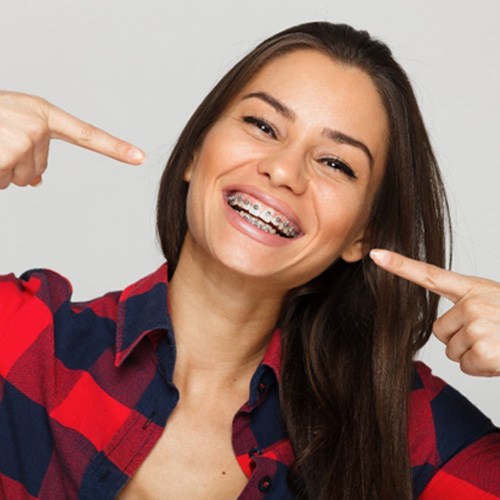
[261,216]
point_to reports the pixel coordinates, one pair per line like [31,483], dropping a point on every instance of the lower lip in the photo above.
[254,232]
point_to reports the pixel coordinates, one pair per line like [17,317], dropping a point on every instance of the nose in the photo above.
[285,169]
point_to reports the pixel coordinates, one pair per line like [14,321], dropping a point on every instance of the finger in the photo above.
[25,169]
[457,345]
[477,331]
[448,324]
[483,358]
[5,179]
[36,181]
[70,129]
[23,174]
[448,284]
[40,157]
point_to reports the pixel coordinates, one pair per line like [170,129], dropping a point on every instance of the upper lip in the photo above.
[269,200]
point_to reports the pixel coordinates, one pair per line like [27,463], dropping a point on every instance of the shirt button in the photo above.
[265,484]
[262,387]
[254,451]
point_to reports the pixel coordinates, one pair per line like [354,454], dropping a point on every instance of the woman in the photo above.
[310,152]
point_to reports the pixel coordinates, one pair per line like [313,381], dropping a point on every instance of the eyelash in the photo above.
[261,124]
[340,165]
[267,129]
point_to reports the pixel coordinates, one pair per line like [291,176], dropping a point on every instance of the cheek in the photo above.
[342,217]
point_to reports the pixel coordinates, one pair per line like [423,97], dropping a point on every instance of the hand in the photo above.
[471,328]
[28,123]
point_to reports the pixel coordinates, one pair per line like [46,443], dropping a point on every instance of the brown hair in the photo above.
[349,335]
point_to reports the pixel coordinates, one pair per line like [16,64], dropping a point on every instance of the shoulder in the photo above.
[34,299]
[27,305]
[37,317]
[443,425]
[38,287]
[454,418]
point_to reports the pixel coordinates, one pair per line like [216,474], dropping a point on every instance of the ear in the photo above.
[188,173]
[355,251]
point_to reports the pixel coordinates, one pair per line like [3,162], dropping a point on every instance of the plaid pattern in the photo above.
[86,390]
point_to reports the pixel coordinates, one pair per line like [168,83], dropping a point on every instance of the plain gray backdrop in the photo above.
[138,70]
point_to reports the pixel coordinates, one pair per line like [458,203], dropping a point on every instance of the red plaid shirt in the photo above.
[86,390]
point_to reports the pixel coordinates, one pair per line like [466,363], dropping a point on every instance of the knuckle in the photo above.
[475,330]
[436,326]
[451,354]
[5,180]
[22,177]
[120,148]
[432,274]
[87,132]
[481,349]
[472,307]
[469,368]
[35,126]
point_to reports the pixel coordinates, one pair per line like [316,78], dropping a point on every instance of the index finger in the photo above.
[67,127]
[448,284]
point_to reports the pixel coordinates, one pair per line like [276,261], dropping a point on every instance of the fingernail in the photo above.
[380,256]
[135,154]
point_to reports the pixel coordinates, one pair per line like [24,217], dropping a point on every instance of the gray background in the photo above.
[138,69]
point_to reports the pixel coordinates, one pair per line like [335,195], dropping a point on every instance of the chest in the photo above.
[194,458]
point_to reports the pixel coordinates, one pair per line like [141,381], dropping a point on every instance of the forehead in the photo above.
[325,93]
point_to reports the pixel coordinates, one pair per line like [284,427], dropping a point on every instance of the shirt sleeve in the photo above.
[455,446]
[473,473]
[27,307]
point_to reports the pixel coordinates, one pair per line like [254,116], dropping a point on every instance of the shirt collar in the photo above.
[272,357]
[143,308]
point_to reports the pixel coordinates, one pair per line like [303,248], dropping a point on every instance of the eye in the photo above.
[261,124]
[337,164]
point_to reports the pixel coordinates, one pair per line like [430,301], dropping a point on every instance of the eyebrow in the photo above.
[334,135]
[283,110]
[341,138]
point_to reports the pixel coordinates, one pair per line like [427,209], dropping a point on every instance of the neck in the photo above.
[222,321]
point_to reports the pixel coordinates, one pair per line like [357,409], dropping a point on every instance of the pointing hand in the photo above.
[28,123]
[471,328]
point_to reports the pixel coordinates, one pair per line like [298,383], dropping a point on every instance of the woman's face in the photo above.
[283,182]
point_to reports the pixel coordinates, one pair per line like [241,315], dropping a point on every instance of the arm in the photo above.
[28,123]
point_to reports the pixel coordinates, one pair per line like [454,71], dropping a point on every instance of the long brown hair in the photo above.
[349,335]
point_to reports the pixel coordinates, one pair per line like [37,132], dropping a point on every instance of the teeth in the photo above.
[261,218]
[254,210]
[266,216]
[257,222]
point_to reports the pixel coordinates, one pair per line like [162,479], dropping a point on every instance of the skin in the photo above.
[229,284]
